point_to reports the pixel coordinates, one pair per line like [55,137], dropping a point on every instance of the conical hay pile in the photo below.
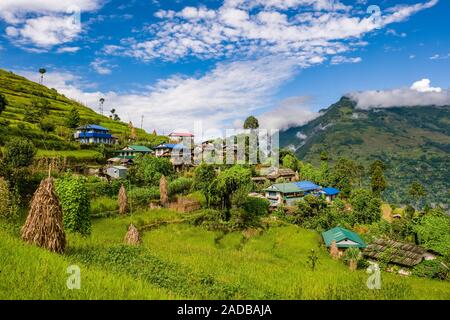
[44,226]
[132,237]
[123,200]
[163,190]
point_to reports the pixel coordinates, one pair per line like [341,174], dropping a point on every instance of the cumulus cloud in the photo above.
[421,93]
[261,27]
[44,23]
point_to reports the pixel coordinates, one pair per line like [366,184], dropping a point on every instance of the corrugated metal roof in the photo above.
[140,148]
[307,185]
[331,191]
[284,188]
[339,234]
[92,126]
[181,134]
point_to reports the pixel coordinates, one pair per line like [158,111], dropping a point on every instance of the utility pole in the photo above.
[142,121]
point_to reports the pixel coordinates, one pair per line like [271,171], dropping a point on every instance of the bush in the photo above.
[433,269]
[74,197]
[256,206]
[19,152]
[5,199]
[148,170]
[143,196]
[180,186]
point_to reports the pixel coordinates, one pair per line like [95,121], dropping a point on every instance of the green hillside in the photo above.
[31,106]
[414,142]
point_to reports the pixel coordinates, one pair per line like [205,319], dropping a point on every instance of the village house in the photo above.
[117,172]
[94,134]
[400,253]
[130,152]
[185,138]
[289,193]
[343,239]
[179,155]
[280,173]
[127,154]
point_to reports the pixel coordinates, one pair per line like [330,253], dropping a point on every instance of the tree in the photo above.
[313,259]
[114,115]
[433,231]
[148,170]
[46,125]
[19,153]
[102,101]
[73,119]
[42,71]
[417,192]
[377,181]
[204,175]
[3,103]
[366,207]
[344,175]
[229,181]
[74,198]
[251,123]
[291,162]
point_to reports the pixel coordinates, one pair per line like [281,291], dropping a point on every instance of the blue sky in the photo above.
[178,62]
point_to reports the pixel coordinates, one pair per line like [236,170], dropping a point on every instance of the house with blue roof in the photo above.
[179,154]
[94,134]
[291,192]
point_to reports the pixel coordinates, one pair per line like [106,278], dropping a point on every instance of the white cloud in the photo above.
[291,112]
[230,91]
[419,94]
[260,27]
[102,66]
[68,49]
[424,85]
[342,59]
[44,23]
[45,31]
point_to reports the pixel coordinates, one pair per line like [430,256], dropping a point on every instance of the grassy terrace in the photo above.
[188,261]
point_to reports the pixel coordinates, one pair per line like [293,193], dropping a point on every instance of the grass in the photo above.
[183,260]
[76,154]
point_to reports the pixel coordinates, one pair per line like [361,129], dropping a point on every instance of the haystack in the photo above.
[133,237]
[44,224]
[123,200]
[334,251]
[163,190]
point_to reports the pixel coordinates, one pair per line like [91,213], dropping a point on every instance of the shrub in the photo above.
[256,206]
[148,170]
[180,186]
[434,269]
[5,198]
[75,204]
[143,196]
[19,152]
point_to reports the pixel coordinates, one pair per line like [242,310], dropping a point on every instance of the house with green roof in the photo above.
[284,193]
[130,152]
[344,238]
[291,192]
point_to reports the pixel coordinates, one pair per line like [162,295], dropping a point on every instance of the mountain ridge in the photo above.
[414,142]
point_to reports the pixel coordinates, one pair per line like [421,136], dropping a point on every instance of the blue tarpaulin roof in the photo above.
[331,191]
[307,185]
